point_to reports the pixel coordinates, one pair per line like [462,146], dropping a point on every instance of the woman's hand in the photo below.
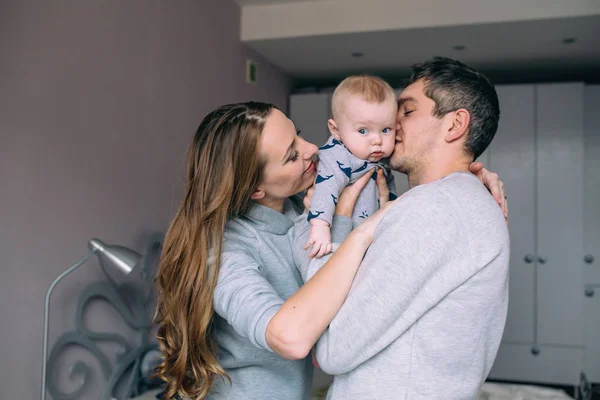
[308,197]
[314,359]
[493,184]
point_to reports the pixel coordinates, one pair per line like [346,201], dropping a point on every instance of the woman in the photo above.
[234,319]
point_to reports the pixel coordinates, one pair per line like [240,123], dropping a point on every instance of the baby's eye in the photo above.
[386,130]
[363,131]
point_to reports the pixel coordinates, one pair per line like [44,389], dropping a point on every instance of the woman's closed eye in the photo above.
[407,112]
[294,156]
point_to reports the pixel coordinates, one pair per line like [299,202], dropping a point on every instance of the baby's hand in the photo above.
[319,239]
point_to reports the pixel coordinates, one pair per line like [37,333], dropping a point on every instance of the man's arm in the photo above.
[417,258]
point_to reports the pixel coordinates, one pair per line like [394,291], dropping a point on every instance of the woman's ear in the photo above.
[459,125]
[333,129]
[258,194]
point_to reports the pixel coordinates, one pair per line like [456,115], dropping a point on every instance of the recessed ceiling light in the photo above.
[459,47]
[570,40]
[357,54]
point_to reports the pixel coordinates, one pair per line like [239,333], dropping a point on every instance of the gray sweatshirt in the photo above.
[257,275]
[426,311]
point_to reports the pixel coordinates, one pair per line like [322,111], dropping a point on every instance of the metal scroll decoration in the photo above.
[132,301]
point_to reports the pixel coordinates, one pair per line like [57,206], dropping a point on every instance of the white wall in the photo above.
[324,17]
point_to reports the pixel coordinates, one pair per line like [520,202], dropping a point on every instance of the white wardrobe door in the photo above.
[591,223]
[401,182]
[310,113]
[554,365]
[591,220]
[592,337]
[512,156]
[559,213]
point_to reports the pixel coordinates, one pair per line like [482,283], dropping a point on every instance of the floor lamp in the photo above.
[120,258]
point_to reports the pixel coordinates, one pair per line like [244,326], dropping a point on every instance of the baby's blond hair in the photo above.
[371,89]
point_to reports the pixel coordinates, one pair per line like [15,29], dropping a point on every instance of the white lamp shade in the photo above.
[116,257]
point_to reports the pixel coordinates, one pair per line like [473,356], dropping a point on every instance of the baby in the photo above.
[363,129]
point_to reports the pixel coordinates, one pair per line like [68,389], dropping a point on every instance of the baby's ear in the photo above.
[333,129]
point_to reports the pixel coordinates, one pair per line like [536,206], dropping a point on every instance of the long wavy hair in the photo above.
[223,170]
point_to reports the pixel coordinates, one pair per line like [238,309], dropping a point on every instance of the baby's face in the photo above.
[368,130]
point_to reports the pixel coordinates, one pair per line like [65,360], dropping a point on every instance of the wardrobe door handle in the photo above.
[589,259]
[529,258]
[542,260]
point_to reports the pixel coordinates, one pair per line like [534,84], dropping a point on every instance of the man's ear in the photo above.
[459,125]
[258,194]
[333,129]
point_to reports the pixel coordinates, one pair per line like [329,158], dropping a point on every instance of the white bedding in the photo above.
[503,391]
[497,391]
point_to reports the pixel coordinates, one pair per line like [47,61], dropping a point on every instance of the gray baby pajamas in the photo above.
[337,169]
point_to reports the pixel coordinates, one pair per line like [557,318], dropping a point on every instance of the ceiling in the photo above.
[510,51]
[254,2]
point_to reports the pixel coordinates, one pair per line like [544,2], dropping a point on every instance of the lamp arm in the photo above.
[47,309]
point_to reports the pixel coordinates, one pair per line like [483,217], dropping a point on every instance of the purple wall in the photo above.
[98,100]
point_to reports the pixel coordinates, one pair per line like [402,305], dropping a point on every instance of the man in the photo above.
[427,309]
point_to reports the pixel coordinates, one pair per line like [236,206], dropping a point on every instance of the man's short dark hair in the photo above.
[453,85]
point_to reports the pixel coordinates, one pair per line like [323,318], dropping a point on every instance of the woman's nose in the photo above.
[309,150]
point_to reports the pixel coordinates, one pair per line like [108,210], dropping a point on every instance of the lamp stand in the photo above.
[46,312]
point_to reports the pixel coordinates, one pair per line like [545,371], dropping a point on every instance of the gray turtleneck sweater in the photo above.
[257,275]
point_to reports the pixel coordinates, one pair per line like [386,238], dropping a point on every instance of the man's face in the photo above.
[417,130]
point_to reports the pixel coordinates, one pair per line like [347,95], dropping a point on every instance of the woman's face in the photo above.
[289,165]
